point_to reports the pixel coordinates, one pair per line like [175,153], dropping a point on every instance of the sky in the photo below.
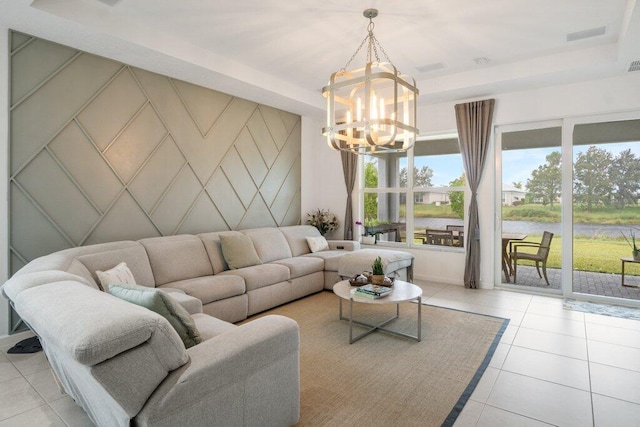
[517,165]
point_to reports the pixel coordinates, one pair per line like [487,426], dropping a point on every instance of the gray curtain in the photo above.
[349,168]
[474,121]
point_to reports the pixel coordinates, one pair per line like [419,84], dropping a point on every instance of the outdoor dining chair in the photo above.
[458,238]
[540,257]
[439,237]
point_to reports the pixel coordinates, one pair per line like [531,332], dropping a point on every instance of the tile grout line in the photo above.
[586,344]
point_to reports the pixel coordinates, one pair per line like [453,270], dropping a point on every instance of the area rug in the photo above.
[604,309]
[383,379]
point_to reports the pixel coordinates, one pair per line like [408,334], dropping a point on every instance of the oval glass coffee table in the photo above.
[402,292]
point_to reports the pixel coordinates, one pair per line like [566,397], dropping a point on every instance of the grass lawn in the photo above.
[539,213]
[589,254]
[600,254]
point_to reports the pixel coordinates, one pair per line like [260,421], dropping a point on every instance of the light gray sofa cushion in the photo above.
[296,236]
[109,325]
[260,276]
[211,288]
[301,266]
[193,305]
[212,244]
[62,261]
[174,258]
[331,258]
[270,243]
[210,326]
[111,255]
[18,283]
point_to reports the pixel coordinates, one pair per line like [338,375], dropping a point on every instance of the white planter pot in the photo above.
[368,240]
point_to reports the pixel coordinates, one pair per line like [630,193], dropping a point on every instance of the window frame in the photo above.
[410,193]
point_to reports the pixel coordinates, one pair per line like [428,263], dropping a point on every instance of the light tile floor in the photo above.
[552,367]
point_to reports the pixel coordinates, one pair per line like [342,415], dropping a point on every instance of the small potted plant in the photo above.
[377,272]
[635,251]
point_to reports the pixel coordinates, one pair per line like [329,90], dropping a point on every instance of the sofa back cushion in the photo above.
[270,243]
[212,244]
[58,261]
[296,236]
[105,256]
[176,258]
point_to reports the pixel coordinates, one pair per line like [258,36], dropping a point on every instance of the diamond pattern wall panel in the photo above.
[102,151]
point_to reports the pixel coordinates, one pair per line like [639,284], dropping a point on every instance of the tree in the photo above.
[457,197]
[624,173]
[370,181]
[592,184]
[421,177]
[545,182]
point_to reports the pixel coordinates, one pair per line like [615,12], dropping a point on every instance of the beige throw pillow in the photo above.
[317,244]
[238,250]
[118,274]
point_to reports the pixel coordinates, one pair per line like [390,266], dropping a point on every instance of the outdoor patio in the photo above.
[605,284]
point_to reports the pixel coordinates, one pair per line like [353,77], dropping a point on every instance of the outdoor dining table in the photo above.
[506,260]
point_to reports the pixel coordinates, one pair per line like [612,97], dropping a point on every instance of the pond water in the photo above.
[531,227]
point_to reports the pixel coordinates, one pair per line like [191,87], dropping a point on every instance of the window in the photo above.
[435,189]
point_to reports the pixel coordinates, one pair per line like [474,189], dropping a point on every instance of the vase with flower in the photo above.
[324,220]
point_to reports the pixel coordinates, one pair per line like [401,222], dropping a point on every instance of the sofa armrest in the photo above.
[192,304]
[346,245]
[246,376]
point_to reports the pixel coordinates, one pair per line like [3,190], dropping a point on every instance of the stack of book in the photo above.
[372,291]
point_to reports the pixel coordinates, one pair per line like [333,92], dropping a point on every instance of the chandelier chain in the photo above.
[343,69]
[373,46]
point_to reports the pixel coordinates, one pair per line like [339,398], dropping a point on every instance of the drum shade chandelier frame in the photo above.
[371,109]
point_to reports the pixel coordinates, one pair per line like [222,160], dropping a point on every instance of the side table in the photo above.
[624,261]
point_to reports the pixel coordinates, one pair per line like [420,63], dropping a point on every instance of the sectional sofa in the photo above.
[127,365]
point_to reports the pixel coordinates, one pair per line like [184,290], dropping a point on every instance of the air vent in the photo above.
[634,66]
[430,67]
[585,34]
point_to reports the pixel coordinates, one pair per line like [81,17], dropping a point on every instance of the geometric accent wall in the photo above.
[101,151]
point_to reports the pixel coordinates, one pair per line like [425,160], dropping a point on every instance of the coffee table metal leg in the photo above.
[380,326]
[420,318]
[351,321]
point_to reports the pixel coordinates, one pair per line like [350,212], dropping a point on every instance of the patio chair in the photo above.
[540,257]
[439,237]
[458,238]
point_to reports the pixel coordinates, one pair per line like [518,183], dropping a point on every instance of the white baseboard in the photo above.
[444,280]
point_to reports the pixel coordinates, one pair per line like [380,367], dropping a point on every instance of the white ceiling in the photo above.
[282,53]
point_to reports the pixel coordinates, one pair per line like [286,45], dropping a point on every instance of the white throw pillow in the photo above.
[317,244]
[118,274]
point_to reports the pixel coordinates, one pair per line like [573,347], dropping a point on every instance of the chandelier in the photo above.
[371,109]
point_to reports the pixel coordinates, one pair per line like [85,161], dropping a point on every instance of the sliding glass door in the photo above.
[606,214]
[531,206]
[568,204]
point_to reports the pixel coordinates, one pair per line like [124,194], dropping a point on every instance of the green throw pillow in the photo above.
[164,305]
[238,250]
